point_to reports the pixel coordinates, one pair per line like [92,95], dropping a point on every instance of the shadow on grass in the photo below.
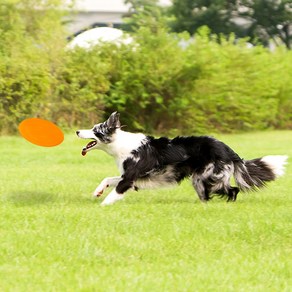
[157,200]
[23,198]
[30,198]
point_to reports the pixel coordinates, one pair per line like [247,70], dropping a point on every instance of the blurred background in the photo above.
[180,66]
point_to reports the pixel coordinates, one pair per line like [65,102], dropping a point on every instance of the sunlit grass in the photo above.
[55,237]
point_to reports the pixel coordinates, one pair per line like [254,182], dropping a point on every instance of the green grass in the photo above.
[55,237]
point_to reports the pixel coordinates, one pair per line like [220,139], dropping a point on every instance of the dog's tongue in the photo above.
[88,146]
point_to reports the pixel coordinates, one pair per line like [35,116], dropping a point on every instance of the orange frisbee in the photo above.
[41,132]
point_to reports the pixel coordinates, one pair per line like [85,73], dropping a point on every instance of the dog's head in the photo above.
[101,134]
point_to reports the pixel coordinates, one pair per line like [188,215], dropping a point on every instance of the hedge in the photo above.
[161,83]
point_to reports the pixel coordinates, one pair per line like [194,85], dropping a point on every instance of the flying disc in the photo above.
[41,132]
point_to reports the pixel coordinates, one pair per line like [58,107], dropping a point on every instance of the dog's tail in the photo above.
[255,173]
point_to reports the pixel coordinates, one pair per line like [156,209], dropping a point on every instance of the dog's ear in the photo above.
[113,122]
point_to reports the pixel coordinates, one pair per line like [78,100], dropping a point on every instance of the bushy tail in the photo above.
[253,174]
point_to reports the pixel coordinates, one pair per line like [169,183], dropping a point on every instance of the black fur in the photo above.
[145,161]
[103,131]
[208,161]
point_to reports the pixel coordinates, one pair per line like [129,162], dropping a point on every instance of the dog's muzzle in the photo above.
[88,147]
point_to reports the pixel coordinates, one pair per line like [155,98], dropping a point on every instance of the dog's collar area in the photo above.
[88,146]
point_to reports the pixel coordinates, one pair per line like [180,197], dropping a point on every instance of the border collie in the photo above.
[148,162]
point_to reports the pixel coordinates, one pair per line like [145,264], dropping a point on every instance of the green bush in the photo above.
[226,87]
[283,69]
[78,97]
[157,83]
[23,88]
[151,81]
[30,51]
[239,87]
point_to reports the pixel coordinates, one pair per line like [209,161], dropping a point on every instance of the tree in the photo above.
[261,20]
[192,14]
[31,46]
[143,13]
[270,20]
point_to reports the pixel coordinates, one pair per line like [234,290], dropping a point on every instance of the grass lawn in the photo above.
[55,237]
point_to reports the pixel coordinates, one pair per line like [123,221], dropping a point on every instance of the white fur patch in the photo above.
[276,163]
[238,174]
[122,145]
[112,197]
[107,182]
[165,178]
[86,134]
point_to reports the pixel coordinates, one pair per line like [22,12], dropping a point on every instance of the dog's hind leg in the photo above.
[232,194]
[107,182]
[200,188]
[229,192]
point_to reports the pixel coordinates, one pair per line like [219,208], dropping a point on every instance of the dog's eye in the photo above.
[97,133]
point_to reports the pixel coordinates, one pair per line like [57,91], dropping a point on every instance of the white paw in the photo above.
[107,182]
[99,190]
[112,198]
[97,193]
[105,204]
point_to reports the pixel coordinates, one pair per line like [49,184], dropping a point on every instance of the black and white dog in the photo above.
[147,162]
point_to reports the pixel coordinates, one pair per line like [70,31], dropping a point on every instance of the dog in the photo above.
[148,162]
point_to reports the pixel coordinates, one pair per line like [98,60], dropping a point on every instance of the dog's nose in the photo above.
[77,133]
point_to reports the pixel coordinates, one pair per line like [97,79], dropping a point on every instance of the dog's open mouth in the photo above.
[88,146]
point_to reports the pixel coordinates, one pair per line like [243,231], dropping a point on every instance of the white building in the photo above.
[90,13]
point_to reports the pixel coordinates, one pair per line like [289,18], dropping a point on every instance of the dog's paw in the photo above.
[97,194]
[107,203]
[104,204]
[112,198]
[99,190]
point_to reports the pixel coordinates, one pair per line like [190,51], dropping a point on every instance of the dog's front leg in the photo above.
[117,193]
[107,182]
[112,197]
